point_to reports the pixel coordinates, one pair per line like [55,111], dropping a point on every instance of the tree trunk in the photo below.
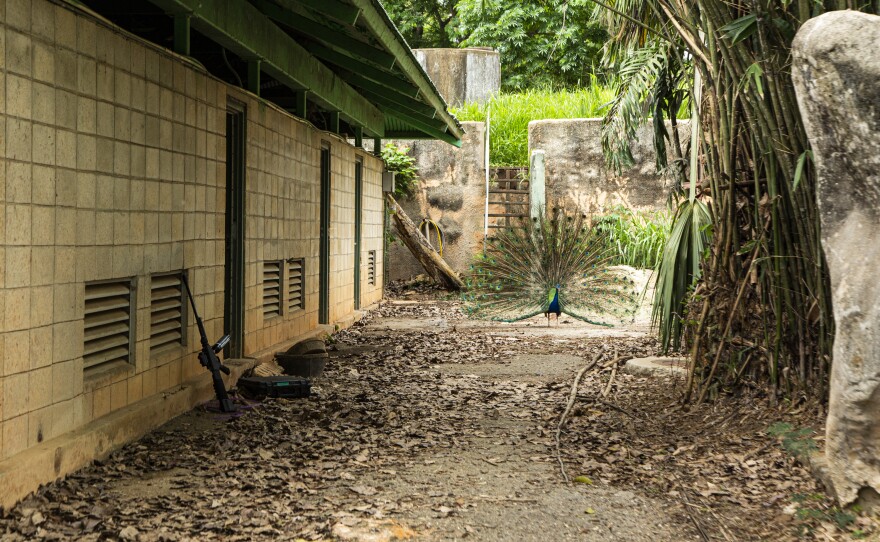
[434,265]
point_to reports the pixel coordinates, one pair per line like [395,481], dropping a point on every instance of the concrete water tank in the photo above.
[462,75]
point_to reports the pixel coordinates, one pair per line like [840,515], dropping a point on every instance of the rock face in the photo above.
[452,194]
[836,71]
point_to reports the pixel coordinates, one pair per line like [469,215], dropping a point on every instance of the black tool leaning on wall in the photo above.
[208,356]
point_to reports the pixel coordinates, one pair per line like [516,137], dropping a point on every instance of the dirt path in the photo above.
[428,426]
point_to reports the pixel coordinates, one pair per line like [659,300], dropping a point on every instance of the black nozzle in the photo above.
[221,344]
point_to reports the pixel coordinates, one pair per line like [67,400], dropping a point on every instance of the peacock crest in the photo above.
[549,265]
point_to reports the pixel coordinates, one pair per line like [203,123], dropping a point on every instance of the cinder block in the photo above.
[65,69]
[18,182]
[122,158]
[43,225]
[18,139]
[18,348]
[121,194]
[43,103]
[20,98]
[43,190]
[43,144]
[68,302]
[14,435]
[65,149]
[66,109]
[62,381]
[85,36]
[104,193]
[18,306]
[85,182]
[118,395]
[42,308]
[104,157]
[122,93]
[66,226]
[122,124]
[86,155]
[135,389]
[103,228]
[15,395]
[65,27]
[86,115]
[65,187]
[42,265]
[100,402]
[67,340]
[105,118]
[43,20]
[65,264]
[44,62]
[39,388]
[87,75]
[18,224]
[18,52]
[138,127]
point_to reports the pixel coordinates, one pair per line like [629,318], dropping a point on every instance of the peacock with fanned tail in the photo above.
[550,265]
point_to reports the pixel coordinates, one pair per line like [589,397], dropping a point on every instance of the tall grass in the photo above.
[511,114]
[637,238]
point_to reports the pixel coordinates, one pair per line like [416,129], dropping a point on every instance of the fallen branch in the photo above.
[610,381]
[571,397]
[434,265]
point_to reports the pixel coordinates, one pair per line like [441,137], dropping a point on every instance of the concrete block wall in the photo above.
[113,158]
[576,174]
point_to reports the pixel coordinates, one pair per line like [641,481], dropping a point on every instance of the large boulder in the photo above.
[836,72]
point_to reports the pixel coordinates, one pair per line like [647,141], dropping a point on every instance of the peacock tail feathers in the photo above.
[522,265]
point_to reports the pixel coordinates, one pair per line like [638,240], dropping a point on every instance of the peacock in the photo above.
[550,265]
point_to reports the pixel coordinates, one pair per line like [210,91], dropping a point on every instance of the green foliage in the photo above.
[797,442]
[425,23]
[398,160]
[636,238]
[542,42]
[679,268]
[512,112]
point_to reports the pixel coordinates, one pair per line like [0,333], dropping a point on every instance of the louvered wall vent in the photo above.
[371,268]
[167,312]
[295,284]
[271,289]
[108,323]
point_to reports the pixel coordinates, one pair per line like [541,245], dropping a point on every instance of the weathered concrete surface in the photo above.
[576,174]
[452,194]
[836,71]
[656,366]
[462,75]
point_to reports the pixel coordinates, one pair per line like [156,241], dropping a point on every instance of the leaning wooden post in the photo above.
[434,265]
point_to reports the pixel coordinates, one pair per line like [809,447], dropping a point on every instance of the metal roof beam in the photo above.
[352,63]
[340,11]
[377,21]
[300,20]
[421,125]
[244,30]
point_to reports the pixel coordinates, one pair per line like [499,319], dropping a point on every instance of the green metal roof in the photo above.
[343,56]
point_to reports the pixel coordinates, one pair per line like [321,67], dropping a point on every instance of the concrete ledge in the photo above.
[24,473]
[656,366]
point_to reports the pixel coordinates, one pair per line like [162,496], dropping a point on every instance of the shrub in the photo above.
[398,160]
[511,114]
[637,237]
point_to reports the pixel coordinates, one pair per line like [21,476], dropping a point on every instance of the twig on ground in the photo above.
[618,408]
[610,381]
[571,397]
[687,508]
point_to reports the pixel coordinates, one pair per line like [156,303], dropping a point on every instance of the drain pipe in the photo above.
[486,214]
